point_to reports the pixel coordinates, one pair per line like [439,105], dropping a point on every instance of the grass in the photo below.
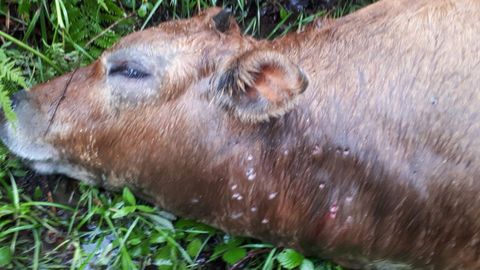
[56,223]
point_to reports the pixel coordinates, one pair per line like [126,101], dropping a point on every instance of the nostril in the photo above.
[18,97]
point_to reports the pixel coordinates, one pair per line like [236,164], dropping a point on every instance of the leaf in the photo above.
[163,258]
[9,72]
[59,14]
[145,208]
[24,8]
[157,238]
[234,255]
[307,265]
[128,196]
[219,249]
[283,13]
[134,241]
[6,210]
[194,227]
[142,11]
[124,211]
[160,221]
[127,263]
[230,243]
[268,263]
[5,256]
[166,215]
[290,259]
[233,241]
[193,248]
[6,105]
[102,4]
[163,262]
[37,194]
[12,77]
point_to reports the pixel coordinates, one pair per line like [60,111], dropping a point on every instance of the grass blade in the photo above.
[36,253]
[150,15]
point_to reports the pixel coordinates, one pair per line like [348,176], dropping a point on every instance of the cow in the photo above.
[356,140]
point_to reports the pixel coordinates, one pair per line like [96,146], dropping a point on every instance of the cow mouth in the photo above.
[32,151]
[41,157]
[26,145]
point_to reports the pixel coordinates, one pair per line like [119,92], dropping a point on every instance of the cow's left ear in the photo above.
[221,20]
[259,85]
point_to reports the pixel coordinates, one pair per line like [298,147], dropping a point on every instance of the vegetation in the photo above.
[88,228]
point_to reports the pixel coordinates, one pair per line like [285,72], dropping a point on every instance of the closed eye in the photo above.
[128,72]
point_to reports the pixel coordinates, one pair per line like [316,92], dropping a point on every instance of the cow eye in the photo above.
[128,72]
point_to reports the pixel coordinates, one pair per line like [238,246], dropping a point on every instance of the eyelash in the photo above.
[128,72]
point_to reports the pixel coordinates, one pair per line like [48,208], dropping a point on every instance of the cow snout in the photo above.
[15,99]
[18,97]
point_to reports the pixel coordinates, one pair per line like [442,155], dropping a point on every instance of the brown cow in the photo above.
[357,140]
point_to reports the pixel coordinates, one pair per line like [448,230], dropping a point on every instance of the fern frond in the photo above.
[9,72]
[107,40]
[6,104]
[11,76]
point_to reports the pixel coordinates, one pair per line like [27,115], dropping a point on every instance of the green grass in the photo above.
[54,223]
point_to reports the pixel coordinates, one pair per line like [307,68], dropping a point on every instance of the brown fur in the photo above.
[374,164]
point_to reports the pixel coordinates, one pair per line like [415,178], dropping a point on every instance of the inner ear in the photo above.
[270,82]
[260,85]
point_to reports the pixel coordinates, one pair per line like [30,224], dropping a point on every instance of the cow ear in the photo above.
[259,85]
[221,20]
